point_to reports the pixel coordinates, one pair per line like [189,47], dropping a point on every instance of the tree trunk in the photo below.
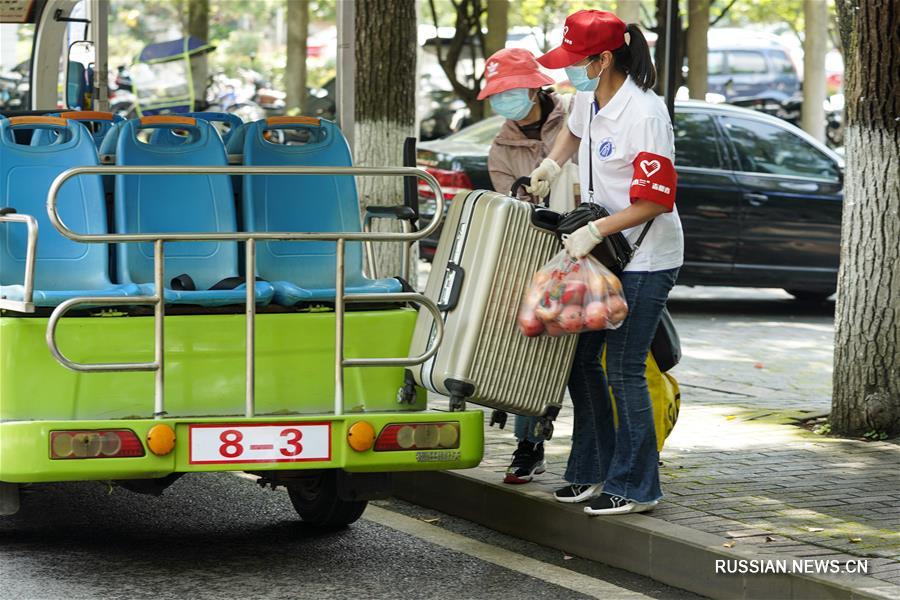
[815,45]
[866,382]
[497,29]
[629,11]
[697,49]
[467,27]
[497,26]
[198,26]
[295,69]
[386,41]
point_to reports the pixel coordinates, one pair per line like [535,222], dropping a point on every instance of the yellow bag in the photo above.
[665,397]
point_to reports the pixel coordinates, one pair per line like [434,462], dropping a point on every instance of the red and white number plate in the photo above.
[260,443]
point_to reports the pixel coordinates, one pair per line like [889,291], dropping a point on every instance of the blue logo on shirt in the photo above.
[606,148]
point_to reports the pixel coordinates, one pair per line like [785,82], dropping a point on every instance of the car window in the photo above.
[695,141]
[482,132]
[781,63]
[768,148]
[715,63]
[745,62]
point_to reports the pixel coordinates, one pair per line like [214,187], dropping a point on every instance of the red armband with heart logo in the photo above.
[654,179]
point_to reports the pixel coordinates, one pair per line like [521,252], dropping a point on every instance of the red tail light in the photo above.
[418,436]
[115,443]
[452,182]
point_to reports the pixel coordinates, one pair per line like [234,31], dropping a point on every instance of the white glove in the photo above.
[580,242]
[543,177]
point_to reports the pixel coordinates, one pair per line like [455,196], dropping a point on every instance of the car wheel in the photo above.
[317,502]
[810,296]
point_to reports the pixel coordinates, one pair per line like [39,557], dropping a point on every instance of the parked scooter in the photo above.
[121,93]
[270,100]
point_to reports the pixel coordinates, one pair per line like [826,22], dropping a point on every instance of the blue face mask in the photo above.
[513,104]
[579,79]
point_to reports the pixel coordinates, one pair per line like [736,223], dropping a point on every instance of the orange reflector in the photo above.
[418,436]
[361,436]
[115,443]
[161,439]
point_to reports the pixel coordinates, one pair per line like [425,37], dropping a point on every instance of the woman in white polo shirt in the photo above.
[623,136]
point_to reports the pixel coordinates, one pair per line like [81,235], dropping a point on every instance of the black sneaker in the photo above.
[610,504]
[528,461]
[574,493]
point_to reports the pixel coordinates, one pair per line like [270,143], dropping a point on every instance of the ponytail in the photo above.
[634,60]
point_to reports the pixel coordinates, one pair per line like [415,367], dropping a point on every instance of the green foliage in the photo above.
[875,436]
[788,14]
[243,32]
[823,429]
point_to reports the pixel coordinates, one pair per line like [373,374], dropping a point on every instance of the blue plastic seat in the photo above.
[179,203]
[64,269]
[303,271]
[103,121]
[172,138]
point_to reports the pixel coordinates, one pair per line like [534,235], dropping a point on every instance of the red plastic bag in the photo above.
[571,296]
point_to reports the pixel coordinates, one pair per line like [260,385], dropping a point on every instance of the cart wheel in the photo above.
[9,499]
[316,501]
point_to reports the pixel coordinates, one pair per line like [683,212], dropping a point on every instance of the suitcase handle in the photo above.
[521,182]
[456,276]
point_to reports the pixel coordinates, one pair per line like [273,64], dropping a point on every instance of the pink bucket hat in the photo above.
[512,68]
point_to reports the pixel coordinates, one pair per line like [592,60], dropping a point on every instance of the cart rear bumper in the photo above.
[25,448]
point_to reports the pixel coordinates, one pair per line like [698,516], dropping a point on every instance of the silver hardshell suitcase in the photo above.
[490,247]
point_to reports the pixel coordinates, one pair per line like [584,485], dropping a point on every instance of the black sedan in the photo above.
[760,200]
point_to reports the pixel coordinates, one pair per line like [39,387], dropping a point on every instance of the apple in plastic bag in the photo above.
[574,292]
[598,286]
[529,324]
[553,329]
[572,318]
[548,309]
[596,315]
[618,310]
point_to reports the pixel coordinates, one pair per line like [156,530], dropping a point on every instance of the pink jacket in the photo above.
[513,155]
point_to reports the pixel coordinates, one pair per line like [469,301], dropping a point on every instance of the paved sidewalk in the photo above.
[759,481]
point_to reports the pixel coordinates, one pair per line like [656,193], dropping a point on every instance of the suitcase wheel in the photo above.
[498,417]
[544,429]
[407,393]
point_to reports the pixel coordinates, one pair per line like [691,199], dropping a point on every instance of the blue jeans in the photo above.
[524,429]
[624,458]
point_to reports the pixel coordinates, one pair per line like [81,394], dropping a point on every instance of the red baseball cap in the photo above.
[512,68]
[587,32]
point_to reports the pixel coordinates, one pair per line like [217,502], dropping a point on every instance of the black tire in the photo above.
[316,501]
[810,296]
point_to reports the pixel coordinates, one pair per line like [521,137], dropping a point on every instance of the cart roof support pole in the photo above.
[99,26]
[346,68]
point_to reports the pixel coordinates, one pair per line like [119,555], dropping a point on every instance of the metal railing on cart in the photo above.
[250,239]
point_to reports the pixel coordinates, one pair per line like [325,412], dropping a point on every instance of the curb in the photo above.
[671,554]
